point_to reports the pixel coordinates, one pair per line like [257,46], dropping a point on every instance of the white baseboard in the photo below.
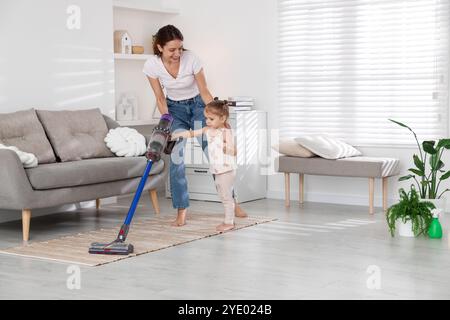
[330,198]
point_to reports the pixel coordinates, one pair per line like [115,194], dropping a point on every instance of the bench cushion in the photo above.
[89,171]
[373,167]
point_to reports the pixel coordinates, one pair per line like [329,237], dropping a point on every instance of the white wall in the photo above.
[341,190]
[45,65]
[237,41]
[234,41]
[129,78]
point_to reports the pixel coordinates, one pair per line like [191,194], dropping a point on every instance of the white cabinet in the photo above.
[250,128]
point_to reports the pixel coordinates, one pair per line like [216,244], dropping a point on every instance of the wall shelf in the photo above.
[141,19]
[119,56]
[143,7]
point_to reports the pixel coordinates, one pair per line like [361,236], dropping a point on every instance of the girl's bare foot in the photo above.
[181,218]
[224,227]
[239,212]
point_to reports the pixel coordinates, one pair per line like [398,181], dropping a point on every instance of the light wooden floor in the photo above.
[313,251]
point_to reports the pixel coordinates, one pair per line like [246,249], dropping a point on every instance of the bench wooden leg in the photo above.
[26,219]
[371,191]
[287,189]
[385,192]
[97,204]
[300,187]
[154,199]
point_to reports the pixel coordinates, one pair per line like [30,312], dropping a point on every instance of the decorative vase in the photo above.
[405,229]
[127,108]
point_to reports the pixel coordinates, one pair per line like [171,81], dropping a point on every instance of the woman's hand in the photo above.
[200,79]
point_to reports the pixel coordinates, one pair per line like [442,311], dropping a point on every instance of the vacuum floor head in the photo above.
[118,248]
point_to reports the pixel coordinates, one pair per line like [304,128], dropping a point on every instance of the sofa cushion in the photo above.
[126,142]
[87,172]
[23,130]
[76,135]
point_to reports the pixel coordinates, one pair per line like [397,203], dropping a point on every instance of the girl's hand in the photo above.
[175,136]
[183,134]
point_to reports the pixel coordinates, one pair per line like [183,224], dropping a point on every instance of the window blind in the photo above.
[346,66]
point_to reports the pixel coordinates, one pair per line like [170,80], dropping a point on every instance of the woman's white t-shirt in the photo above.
[184,85]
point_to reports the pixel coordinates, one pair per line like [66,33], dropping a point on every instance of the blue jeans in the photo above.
[187,114]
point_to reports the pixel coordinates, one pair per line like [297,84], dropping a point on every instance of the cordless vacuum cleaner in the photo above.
[159,142]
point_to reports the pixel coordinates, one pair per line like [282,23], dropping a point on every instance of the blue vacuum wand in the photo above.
[159,142]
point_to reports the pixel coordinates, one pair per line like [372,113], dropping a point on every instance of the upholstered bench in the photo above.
[365,167]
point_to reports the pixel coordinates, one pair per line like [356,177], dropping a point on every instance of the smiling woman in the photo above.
[180,74]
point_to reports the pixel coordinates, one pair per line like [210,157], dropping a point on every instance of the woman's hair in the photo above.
[219,108]
[164,35]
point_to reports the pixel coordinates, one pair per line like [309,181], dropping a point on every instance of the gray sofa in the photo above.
[74,163]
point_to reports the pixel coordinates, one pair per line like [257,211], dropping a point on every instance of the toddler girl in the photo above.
[222,155]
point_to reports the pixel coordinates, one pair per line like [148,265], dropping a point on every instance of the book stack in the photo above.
[240,103]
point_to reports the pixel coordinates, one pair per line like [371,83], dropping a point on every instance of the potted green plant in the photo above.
[411,214]
[428,175]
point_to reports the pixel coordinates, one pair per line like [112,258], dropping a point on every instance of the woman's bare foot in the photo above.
[181,218]
[239,212]
[223,227]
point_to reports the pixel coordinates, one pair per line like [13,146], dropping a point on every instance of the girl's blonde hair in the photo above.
[219,108]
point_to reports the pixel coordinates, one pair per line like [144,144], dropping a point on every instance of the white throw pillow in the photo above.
[327,147]
[28,160]
[126,142]
[289,147]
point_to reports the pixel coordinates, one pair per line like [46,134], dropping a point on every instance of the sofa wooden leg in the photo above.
[287,189]
[97,204]
[300,187]
[154,199]
[371,191]
[385,192]
[26,219]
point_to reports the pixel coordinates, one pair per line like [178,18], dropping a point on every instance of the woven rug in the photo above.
[145,235]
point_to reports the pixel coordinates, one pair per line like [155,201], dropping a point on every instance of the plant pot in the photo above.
[405,229]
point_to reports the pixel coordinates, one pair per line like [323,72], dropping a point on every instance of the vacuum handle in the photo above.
[124,230]
[169,146]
